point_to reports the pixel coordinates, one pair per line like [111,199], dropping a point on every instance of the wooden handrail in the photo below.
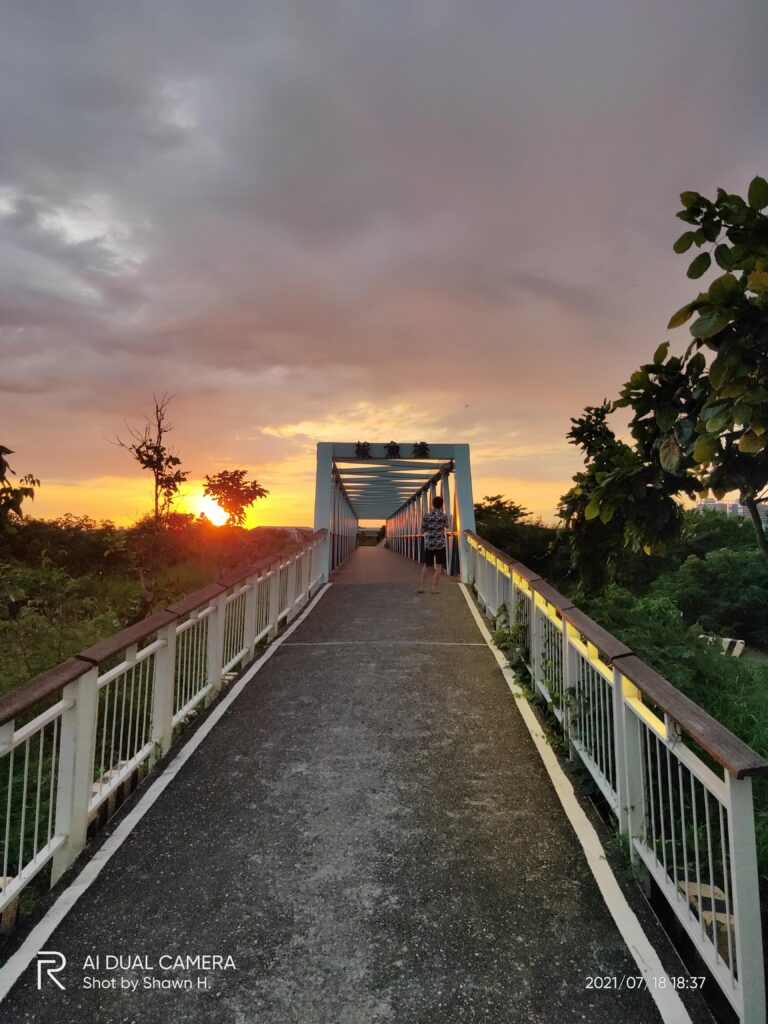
[719,742]
[726,748]
[131,635]
[42,686]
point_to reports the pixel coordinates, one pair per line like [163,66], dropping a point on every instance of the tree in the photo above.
[725,593]
[11,497]
[622,500]
[150,450]
[496,510]
[234,493]
[502,522]
[714,427]
[700,420]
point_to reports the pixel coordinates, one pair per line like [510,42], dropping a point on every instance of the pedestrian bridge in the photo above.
[333,788]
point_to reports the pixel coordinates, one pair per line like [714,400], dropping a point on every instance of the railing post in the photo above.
[216,645]
[321,576]
[274,598]
[75,775]
[250,617]
[325,559]
[621,768]
[494,587]
[746,898]
[291,588]
[514,598]
[629,765]
[163,692]
[314,567]
[569,685]
[535,641]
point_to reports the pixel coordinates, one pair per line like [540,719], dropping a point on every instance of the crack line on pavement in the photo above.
[403,643]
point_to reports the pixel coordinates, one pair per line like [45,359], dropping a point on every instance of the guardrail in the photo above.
[678,782]
[71,738]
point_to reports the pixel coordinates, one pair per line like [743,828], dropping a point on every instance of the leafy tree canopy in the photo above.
[234,493]
[724,593]
[502,522]
[623,500]
[12,497]
[699,421]
[496,510]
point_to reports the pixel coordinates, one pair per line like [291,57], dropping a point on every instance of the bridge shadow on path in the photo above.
[369,832]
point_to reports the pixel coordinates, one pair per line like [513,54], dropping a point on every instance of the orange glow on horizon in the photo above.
[124,500]
[202,504]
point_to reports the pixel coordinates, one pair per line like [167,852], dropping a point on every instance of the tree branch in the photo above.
[757,522]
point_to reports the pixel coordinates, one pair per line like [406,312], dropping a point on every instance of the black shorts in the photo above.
[435,557]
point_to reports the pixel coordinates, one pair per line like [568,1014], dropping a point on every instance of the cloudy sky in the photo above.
[440,221]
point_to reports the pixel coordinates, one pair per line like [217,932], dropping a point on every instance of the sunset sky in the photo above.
[440,221]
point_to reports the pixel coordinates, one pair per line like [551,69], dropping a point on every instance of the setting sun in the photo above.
[210,509]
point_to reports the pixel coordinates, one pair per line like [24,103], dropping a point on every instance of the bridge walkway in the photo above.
[369,832]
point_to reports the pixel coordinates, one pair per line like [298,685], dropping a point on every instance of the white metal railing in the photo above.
[403,528]
[343,523]
[74,736]
[679,783]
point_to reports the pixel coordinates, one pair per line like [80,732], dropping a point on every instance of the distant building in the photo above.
[710,505]
[730,508]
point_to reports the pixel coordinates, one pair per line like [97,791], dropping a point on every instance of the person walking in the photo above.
[433,526]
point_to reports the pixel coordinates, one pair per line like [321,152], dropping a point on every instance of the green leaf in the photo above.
[700,265]
[665,417]
[661,353]
[718,371]
[689,199]
[724,289]
[681,316]
[710,324]
[684,242]
[670,455]
[606,512]
[697,364]
[723,257]
[758,281]
[592,511]
[711,229]
[684,431]
[718,423]
[711,409]
[742,414]
[705,449]
[750,443]
[757,196]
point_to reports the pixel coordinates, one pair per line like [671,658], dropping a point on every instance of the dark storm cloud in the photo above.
[279,210]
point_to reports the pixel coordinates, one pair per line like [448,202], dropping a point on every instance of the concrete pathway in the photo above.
[380,565]
[369,833]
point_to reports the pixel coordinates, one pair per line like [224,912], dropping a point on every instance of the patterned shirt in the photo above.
[433,526]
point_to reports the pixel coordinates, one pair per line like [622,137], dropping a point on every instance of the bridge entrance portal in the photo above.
[394,483]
